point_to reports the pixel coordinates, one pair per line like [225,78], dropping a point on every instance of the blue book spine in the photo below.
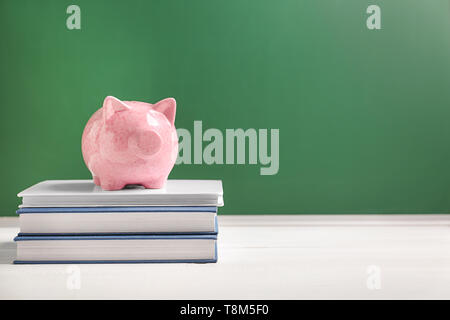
[119,237]
[114,209]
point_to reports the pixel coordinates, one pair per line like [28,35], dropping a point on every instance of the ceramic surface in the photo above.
[131,142]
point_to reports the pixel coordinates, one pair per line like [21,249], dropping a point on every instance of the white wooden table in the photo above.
[264,257]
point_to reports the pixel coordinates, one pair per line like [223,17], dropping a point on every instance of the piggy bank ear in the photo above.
[111,105]
[168,108]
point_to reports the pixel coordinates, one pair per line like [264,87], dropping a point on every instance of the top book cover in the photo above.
[84,193]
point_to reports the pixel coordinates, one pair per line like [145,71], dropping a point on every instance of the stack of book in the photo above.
[75,221]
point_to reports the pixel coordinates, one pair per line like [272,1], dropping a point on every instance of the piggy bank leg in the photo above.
[108,184]
[155,183]
[96,180]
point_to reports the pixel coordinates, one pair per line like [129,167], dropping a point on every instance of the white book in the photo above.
[119,249]
[118,220]
[84,193]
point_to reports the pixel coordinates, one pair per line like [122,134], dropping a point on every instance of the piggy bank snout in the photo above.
[145,144]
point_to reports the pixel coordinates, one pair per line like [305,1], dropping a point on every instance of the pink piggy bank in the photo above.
[131,142]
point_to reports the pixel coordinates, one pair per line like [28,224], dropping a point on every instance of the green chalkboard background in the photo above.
[364,115]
